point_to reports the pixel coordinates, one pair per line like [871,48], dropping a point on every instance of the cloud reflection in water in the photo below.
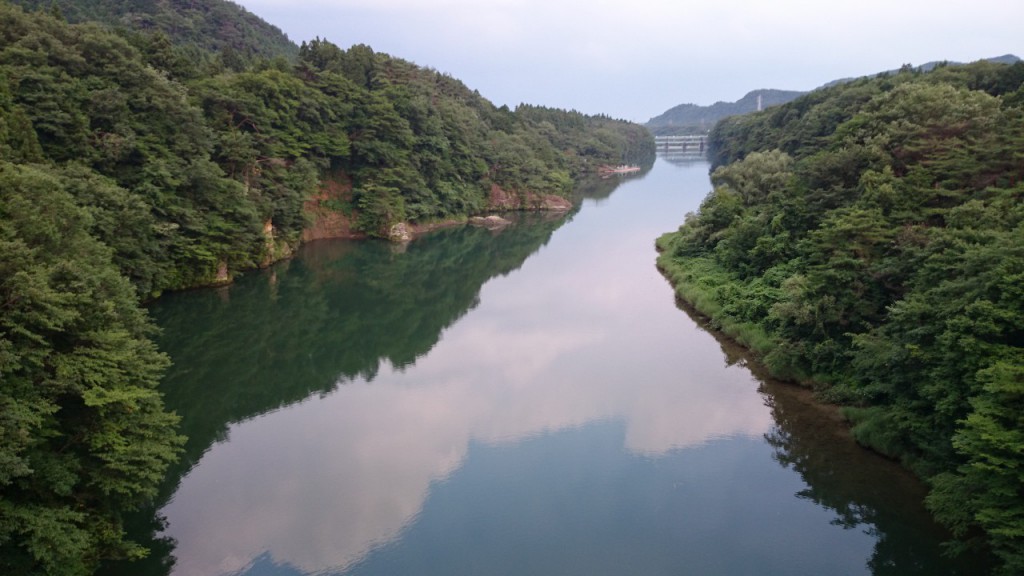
[585,331]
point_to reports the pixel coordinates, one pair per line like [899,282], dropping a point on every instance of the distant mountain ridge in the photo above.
[214,25]
[693,118]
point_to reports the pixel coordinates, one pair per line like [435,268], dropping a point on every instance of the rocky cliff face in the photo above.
[275,248]
[501,199]
[327,219]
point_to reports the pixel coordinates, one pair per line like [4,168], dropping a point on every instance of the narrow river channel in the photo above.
[525,402]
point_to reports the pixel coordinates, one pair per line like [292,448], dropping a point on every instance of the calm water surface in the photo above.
[525,402]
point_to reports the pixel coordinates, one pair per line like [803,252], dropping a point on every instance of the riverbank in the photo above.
[330,216]
[702,291]
[697,282]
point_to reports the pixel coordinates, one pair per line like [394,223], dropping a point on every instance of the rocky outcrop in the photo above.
[330,216]
[327,219]
[400,232]
[274,248]
[501,199]
[424,227]
[223,275]
[329,224]
[491,222]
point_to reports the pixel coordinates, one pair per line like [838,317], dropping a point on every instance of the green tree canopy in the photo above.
[83,434]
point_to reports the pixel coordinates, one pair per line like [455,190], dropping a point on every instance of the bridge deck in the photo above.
[687,144]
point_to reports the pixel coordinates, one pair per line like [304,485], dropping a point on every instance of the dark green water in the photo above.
[525,402]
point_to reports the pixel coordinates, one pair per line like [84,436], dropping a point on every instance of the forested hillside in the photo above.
[213,173]
[129,167]
[204,27]
[869,239]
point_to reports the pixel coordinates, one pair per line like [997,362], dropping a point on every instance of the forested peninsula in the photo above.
[136,160]
[868,239]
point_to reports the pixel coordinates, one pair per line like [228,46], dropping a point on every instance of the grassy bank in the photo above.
[710,290]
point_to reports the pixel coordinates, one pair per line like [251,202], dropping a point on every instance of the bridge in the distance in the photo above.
[686,146]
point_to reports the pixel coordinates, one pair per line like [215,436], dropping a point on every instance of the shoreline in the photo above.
[401,233]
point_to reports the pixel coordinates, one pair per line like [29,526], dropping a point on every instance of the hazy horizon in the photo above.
[638,60]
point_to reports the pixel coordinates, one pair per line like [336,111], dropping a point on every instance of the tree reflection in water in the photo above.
[865,490]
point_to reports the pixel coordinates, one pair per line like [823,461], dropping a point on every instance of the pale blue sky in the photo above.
[635,59]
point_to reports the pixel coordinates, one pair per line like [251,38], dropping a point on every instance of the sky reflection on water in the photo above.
[574,421]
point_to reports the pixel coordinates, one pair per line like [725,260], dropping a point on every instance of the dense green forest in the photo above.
[194,170]
[205,29]
[868,239]
[133,161]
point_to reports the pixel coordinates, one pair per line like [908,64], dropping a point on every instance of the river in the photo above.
[528,401]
